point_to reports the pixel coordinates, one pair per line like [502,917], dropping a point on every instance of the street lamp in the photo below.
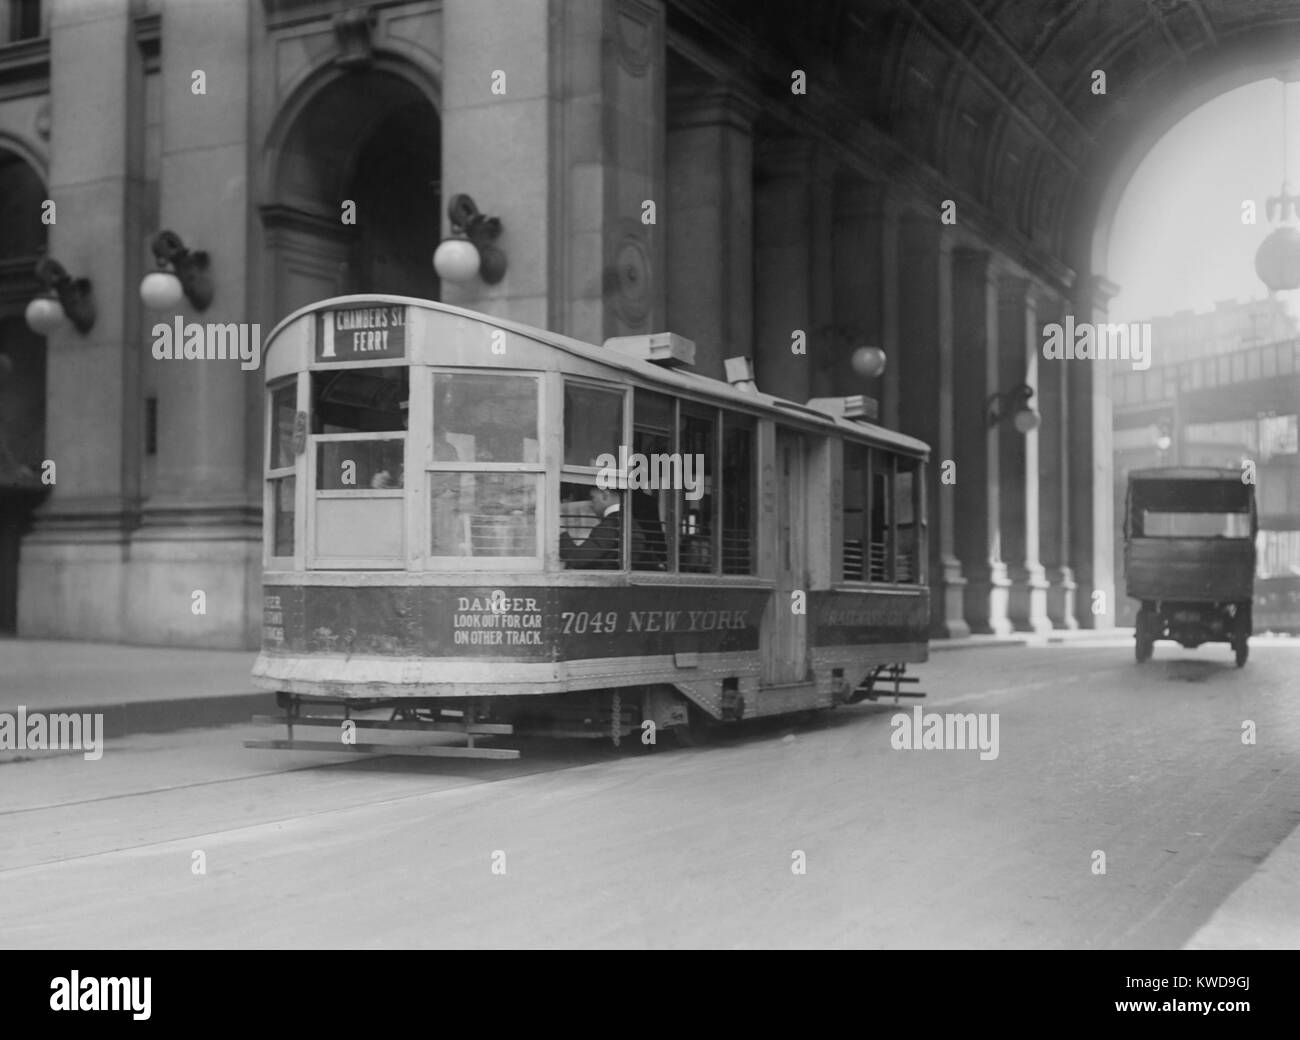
[63,298]
[188,277]
[471,250]
[1013,403]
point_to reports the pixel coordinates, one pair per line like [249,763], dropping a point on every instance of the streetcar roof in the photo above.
[684,380]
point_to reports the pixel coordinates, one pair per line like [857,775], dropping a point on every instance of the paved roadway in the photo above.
[693,848]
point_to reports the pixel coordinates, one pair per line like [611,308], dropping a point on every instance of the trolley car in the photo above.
[479,527]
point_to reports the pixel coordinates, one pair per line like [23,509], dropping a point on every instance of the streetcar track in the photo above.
[306,814]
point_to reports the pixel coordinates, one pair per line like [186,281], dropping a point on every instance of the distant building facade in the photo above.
[1223,390]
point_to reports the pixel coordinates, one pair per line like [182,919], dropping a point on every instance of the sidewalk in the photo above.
[1263,913]
[138,689]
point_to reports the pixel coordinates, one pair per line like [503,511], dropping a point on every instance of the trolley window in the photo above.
[654,507]
[485,474]
[909,521]
[359,420]
[737,491]
[281,482]
[857,511]
[697,550]
[592,515]
[884,516]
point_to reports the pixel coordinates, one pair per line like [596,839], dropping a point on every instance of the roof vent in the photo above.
[855,406]
[740,373]
[660,348]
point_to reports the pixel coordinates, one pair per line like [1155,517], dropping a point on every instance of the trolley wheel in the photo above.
[1242,647]
[1144,642]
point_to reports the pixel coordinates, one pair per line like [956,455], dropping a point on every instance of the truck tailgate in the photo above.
[1190,568]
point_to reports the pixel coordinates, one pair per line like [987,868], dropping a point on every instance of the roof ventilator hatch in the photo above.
[660,348]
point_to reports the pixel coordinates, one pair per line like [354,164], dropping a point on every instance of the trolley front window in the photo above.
[485,475]
[359,423]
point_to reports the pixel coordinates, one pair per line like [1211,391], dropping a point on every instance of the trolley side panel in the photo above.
[520,623]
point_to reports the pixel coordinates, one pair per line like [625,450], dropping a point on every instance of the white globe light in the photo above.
[456,260]
[868,361]
[161,291]
[44,315]
[1026,420]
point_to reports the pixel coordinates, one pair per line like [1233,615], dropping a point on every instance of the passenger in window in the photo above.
[391,470]
[603,548]
[389,475]
[651,553]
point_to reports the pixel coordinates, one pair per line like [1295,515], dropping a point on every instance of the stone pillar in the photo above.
[1054,475]
[979,530]
[866,280]
[553,119]
[822,346]
[709,223]
[1018,358]
[783,268]
[73,569]
[924,370]
[201,527]
[496,113]
[1091,506]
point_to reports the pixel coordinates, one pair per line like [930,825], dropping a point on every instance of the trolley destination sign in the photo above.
[361,334]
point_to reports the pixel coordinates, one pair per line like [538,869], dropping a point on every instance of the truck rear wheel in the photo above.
[1144,641]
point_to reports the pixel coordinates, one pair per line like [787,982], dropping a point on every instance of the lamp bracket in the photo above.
[76,295]
[468,221]
[190,266]
[1000,405]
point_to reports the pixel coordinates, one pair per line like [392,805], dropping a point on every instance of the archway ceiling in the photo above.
[989,101]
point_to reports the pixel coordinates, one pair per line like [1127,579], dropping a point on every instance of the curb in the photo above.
[966,644]
[1060,638]
[167,716]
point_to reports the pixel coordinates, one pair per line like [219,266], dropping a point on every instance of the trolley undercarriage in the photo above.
[629,714]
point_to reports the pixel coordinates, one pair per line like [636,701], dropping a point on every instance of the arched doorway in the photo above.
[22,371]
[371,138]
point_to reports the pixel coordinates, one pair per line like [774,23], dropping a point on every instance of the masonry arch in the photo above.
[369,137]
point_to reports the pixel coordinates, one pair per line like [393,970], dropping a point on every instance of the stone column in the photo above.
[73,569]
[866,280]
[201,526]
[709,223]
[1054,474]
[783,268]
[978,510]
[553,119]
[1018,358]
[501,86]
[924,370]
[1091,505]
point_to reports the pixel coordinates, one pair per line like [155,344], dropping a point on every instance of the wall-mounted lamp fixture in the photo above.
[470,251]
[162,290]
[1013,403]
[62,298]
